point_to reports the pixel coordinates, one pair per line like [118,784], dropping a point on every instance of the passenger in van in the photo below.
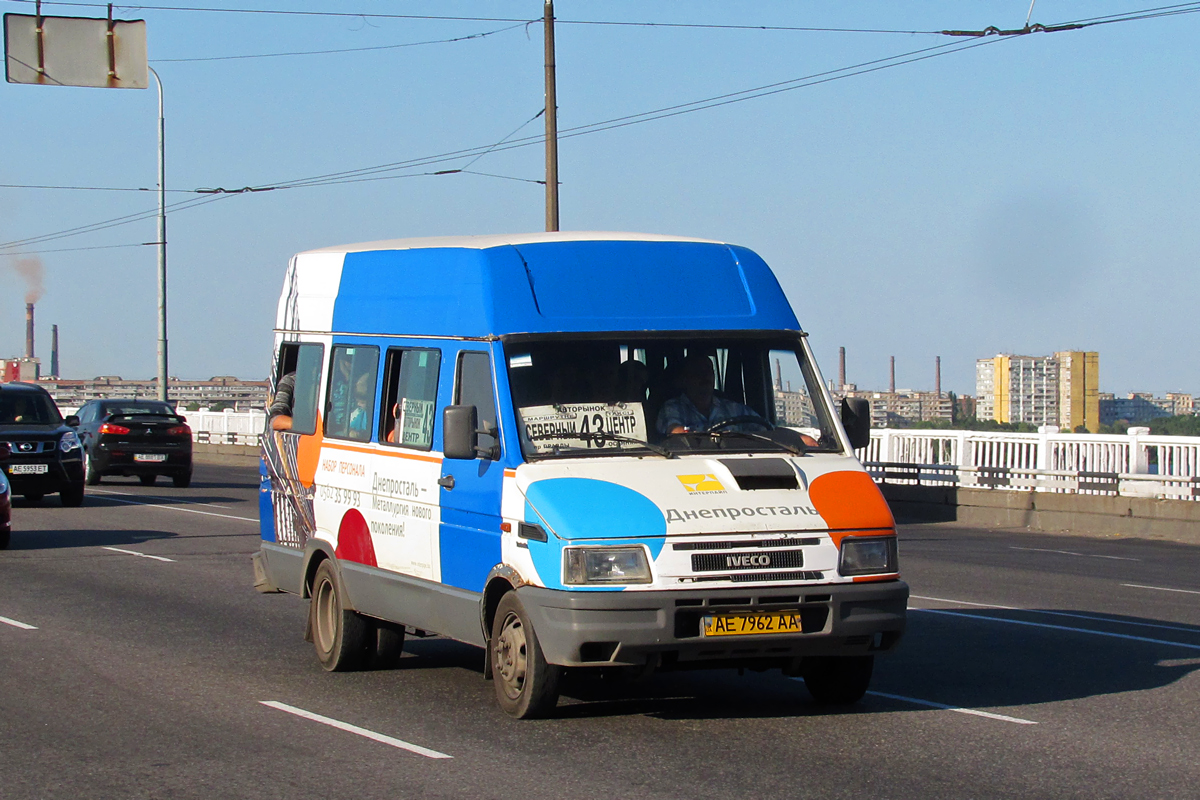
[280,410]
[633,378]
[697,407]
[360,414]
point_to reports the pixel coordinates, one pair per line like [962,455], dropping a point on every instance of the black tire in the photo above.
[389,645]
[72,496]
[91,476]
[339,634]
[837,680]
[33,498]
[147,480]
[526,684]
[182,480]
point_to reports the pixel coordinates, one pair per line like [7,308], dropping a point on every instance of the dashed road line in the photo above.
[166,507]
[1125,636]
[1071,553]
[346,726]
[957,709]
[136,553]
[22,625]
[1071,614]
[1160,588]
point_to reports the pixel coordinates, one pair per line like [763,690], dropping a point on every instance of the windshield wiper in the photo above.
[790,448]
[600,437]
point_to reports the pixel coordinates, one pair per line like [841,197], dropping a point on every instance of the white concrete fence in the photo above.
[1136,464]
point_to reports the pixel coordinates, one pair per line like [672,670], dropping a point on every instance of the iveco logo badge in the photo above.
[742,562]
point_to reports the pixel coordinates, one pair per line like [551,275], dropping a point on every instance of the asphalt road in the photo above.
[136,658]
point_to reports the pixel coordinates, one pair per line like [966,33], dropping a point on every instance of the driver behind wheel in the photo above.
[697,408]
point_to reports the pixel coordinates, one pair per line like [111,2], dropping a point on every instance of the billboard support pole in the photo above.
[162,244]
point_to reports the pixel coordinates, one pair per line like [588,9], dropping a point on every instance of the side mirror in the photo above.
[460,434]
[856,418]
[72,421]
[459,438]
[5,451]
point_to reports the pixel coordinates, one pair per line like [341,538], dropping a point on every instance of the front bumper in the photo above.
[662,629]
[60,474]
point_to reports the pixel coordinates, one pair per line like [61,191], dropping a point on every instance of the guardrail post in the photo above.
[1139,459]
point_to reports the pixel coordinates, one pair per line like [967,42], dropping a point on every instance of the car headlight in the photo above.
[68,442]
[868,555]
[605,565]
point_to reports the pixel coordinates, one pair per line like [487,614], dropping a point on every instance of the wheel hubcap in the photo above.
[510,656]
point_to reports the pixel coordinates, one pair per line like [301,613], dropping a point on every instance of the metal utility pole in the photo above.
[551,124]
[162,245]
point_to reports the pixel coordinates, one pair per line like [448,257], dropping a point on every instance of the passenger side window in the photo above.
[350,407]
[304,360]
[410,397]
[474,388]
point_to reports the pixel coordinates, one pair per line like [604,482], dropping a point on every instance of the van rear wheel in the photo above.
[339,634]
[526,684]
[837,680]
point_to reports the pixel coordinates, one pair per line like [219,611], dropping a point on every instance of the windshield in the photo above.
[667,395]
[28,408]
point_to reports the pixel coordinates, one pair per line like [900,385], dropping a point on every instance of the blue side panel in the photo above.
[468,552]
[435,291]
[266,506]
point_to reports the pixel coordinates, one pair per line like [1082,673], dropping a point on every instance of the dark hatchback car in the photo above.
[46,456]
[145,438]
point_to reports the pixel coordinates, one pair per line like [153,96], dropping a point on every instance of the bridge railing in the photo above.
[227,427]
[1136,464]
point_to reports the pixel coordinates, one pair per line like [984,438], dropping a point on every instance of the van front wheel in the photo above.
[339,634]
[526,685]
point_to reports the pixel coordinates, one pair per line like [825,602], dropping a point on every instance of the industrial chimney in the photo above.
[892,379]
[937,375]
[54,351]
[29,330]
[841,368]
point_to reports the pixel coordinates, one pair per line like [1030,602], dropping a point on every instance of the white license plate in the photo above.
[28,469]
[150,457]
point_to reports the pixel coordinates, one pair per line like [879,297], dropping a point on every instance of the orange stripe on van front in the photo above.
[891,576]
[849,501]
[389,452]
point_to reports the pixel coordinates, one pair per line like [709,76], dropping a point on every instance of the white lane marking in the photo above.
[1075,615]
[174,498]
[1071,553]
[136,553]
[958,709]
[1125,636]
[23,626]
[346,726]
[1160,588]
[177,508]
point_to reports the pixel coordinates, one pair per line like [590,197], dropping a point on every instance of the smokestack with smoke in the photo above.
[54,351]
[30,270]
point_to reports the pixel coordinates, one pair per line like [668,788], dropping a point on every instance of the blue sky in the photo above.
[1033,194]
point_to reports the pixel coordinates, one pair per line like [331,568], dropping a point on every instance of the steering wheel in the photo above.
[744,419]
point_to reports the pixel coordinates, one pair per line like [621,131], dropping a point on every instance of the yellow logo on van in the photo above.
[701,484]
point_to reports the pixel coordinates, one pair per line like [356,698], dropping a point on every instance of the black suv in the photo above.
[145,438]
[46,456]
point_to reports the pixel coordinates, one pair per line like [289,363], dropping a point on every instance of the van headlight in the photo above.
[605,565]
[868,555]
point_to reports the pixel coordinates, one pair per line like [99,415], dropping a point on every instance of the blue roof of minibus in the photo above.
[555,282]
